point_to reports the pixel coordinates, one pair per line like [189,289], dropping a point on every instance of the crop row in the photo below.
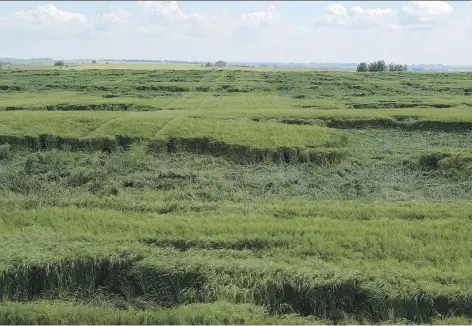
[311,266]
[57,312]
[162,125]
[77,101]
[410,238]
[54,312]
[303,83]
[243,141]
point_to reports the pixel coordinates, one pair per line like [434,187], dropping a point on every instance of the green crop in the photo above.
[153,195]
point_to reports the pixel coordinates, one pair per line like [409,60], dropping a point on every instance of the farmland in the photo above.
[250,196]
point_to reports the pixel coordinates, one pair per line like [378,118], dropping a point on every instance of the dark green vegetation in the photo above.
[380,65]
[241,197]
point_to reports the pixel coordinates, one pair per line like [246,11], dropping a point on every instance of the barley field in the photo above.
[234,196]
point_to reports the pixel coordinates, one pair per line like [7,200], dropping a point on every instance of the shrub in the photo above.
[38,163]
[80,176]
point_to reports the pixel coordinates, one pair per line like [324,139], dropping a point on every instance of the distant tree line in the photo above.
[219,63]
[380,66]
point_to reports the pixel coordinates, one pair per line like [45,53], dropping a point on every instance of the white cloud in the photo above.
[161,8]
[427,11]
[165,30]
[116,15]
[413,14]
[159,18]
[374,17]
[373,12]
[260,18]
[154,18]
[111,17]
[50,15]
[113,24]
[336,14]
[212,24]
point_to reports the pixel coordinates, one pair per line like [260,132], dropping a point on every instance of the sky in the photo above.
[290,31]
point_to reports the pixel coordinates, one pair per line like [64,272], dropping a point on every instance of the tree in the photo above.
[381,66]
[59,63]
[208,64]
[220,64]
[377,66]
[94,61]
[362,67]
[396,67]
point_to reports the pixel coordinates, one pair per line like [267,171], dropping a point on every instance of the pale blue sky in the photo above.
[350,31]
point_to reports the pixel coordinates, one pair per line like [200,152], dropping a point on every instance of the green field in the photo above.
[152,195]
